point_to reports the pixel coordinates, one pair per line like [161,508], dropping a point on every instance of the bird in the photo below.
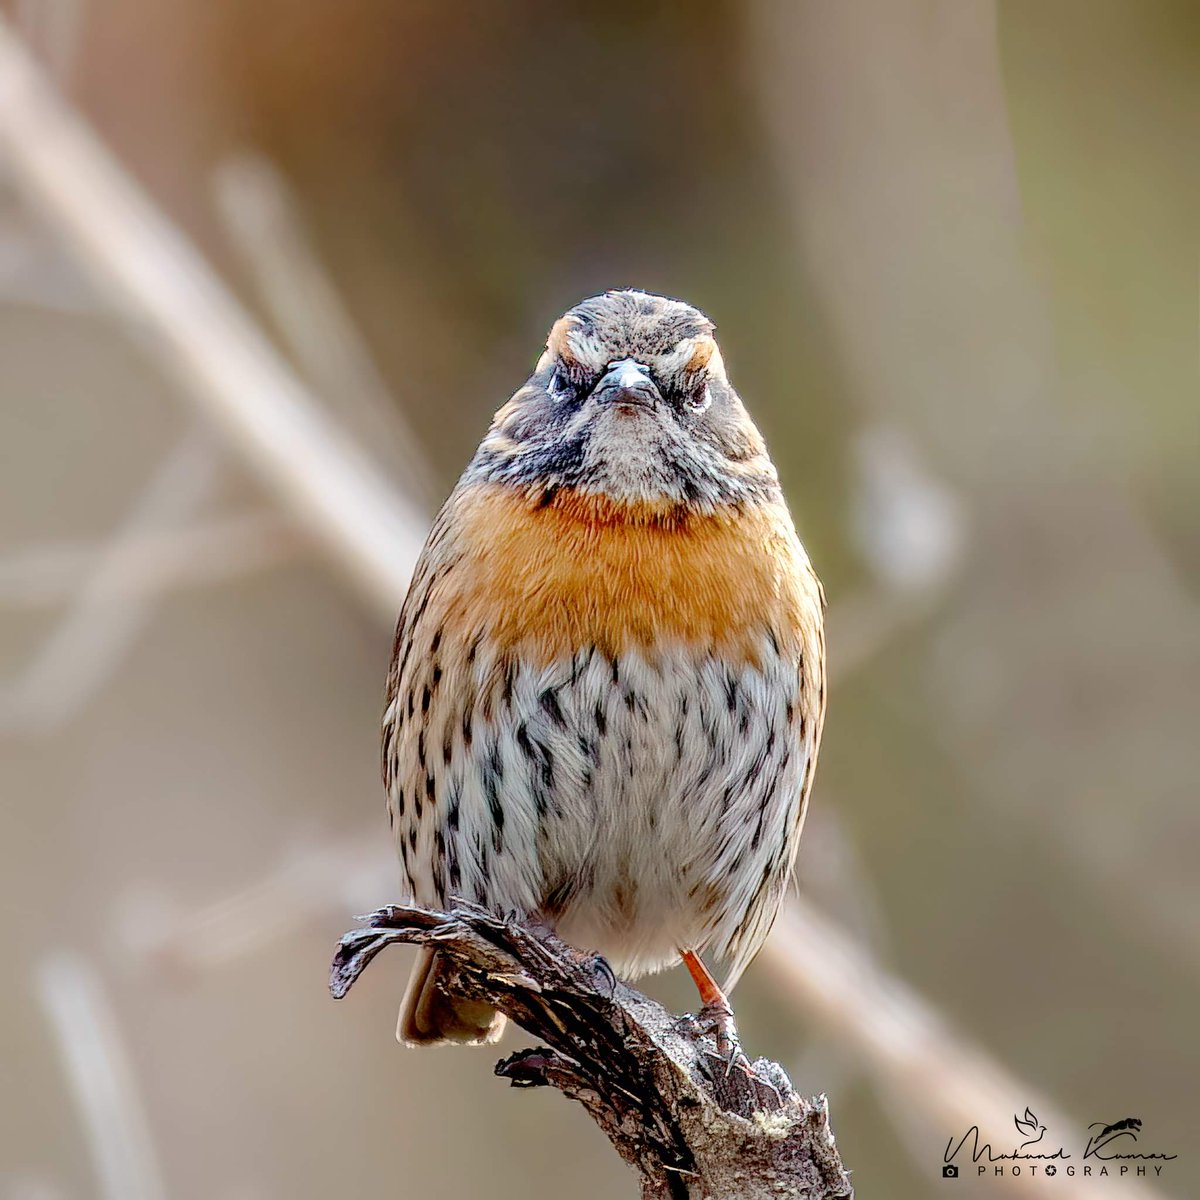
[607,685]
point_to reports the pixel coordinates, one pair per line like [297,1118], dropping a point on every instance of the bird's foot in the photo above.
[717,1021]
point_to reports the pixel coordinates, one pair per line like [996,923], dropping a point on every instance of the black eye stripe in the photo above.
[568,383]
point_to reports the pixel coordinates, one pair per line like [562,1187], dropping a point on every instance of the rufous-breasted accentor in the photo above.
[607,687]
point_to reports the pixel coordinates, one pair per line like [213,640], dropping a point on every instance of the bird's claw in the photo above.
[717,1021]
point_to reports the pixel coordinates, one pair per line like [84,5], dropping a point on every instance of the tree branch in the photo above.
[691,1126]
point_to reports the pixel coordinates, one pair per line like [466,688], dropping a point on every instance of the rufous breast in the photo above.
[549,576]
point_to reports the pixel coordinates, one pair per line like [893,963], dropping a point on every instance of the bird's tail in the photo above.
[431,1016]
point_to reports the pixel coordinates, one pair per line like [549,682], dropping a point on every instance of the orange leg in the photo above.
[717,1009]
[711,995]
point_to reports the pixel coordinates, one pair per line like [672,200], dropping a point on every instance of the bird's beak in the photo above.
[627,382]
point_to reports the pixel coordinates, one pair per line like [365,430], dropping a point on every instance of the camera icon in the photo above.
[950,1171]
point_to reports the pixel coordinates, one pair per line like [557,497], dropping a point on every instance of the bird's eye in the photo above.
[561,387]
[699,397]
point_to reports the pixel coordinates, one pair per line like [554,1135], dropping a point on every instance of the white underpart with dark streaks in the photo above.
[647,807]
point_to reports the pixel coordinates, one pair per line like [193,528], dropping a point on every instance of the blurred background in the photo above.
[951,250]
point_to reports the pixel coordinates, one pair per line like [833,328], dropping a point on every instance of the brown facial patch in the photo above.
[557,343]
[701,354]
[549,578]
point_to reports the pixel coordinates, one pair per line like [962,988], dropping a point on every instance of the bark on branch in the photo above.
[692,1127]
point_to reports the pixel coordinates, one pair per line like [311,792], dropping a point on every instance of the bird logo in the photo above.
[1029,1127]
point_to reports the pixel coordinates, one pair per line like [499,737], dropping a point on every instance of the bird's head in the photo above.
[629,403]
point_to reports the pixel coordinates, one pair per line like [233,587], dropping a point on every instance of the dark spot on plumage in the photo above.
[726,842]
[550,705]
[430,788]
[426,697]
[448,745]
[601,720]
[497,811]
[758,827]
[510,682]
[523,742]
[492,772]
[419,612]
[399,801]
[473,649]
[439,844]
[466,727]
[421,749]
[744,721]
[436,676]
[411,703]
[455,874]
[495,761]
[558,896]
[435,645]
[418,805]
[731,692]
[412,838]
[616,673]
[590,748]
[547,497]
[624,895]
[580,663]
[452,813]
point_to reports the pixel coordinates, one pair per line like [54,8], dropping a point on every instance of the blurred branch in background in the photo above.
[201,334]
[101,1079]
[263,220]
[892,138]
[201,553]
[104,616]
[52,28]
